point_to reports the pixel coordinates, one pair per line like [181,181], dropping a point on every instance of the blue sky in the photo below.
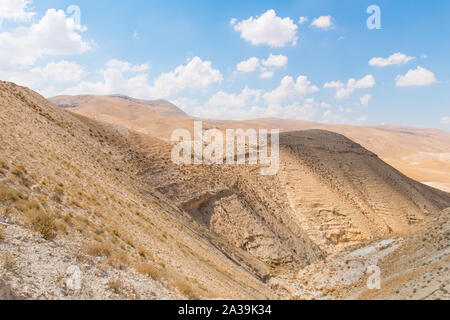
[240,59]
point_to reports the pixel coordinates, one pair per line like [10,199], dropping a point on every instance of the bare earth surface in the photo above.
[100,194]
[421,154]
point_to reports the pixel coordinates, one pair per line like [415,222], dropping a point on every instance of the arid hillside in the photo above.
[108,200]
[70,196]
[421,154]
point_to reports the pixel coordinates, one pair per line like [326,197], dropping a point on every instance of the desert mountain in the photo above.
[107,199]
[422,154]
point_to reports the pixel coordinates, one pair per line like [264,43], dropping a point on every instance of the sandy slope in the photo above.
[121,210]
[422,154]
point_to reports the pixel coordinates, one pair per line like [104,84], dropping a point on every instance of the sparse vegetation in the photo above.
[185,288]
[10,195]
[118,259]
[149,270]
[42,222]
[8,262]
[115,286]
[99,250]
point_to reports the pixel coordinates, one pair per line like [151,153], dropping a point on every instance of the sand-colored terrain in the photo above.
[105,197]
[421,154]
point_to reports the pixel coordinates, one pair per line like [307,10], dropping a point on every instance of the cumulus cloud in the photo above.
[61,72]
[186,104]
[288,89]
[246,98]
[268,29]
[16,10]
[419,77]
[248,65]
[302,20]
[196,74]
[365,100]
[395,59]
[335,118]
[445,120]
[301,111]
[333,84]
[364,83]
[266,74]
[277,61]
[323,22]
[126,66]
[55,34]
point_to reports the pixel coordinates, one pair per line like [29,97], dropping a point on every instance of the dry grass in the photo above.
[4,164]
[9,195]
[118,259]
[19,171]
[8,262]
[2,233]
[42,222]
[99,250]
[115,286]
[186,289]
[149,270]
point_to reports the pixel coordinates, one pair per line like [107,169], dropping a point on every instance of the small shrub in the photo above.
[115,286]
[118,259]
[4,164]
[185,288]
[8,262]
[42,222]
[142,252]
[149,270]
[19,171]
[9,195]
[99,250]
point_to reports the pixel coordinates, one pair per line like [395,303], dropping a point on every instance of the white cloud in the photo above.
[266,74]
[53,35]
[225,100]
[325,105]
[302,20]
[334,118]
[16,10]
[418,77]
[323,22]
[333,84]
[365,100]
[196,74]
[61,72]
[268,29]
[445,120]
[233,21]
[277,61]
[186,104]
[301,111]
[395,59]
[248,65]
[364,83]
[126,66]
[288,89]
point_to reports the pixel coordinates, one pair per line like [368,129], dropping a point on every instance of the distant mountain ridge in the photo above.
[416,152]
